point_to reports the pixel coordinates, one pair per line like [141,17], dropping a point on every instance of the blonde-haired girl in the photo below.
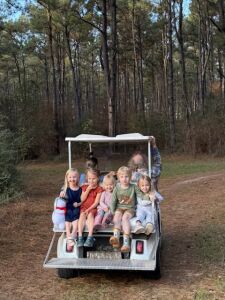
[145,211]
[71,192]
[104,215]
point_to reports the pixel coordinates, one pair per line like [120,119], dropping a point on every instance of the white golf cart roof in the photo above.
[90,138]
[121,138]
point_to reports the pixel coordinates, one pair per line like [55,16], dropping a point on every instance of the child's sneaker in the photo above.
[89,242]
[125,249]
[139,229]
[80,241]
[148,228]
[114,241]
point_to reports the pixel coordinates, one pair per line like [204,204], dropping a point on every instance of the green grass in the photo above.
[203,294]
[172,168]
[209,243]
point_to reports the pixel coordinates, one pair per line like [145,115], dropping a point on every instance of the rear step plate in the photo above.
[101,264]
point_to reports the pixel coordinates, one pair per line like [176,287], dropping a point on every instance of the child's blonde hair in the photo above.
[124,170]
[144,178]
[108,177]
[65,186]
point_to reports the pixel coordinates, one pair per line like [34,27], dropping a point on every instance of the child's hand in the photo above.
[106,209]
[62,194]
[75,204]
[87,211]
[152,197]
[152,140]
[90,187]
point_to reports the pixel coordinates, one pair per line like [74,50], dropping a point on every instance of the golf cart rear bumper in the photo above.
[102,264]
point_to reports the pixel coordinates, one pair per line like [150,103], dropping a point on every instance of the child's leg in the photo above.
[75,227]
[90,223]
[69,241]
[149,221]
[117,220]
[149,215]
[107,218]
[81,223]
[99,217]
[140,218]
[126,222]
[115,239]
[68,228]
[126,231]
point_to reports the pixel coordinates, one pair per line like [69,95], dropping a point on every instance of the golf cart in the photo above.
[145,250]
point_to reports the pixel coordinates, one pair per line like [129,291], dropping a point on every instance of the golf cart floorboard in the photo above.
[103,264]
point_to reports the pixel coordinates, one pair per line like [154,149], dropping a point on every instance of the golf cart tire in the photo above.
[67,273]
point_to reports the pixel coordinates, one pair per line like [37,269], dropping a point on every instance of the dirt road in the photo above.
[192,256]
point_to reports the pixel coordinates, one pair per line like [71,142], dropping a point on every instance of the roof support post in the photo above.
[69,155]
[149,159]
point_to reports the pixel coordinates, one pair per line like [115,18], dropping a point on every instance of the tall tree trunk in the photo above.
[185,96]
[77,107]
[47,79]
[171,98]
[105,54]
[55,93]
[112,109]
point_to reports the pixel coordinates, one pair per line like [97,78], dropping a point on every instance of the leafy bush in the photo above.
[8,161]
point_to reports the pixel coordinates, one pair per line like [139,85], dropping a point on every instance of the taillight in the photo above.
[139,247]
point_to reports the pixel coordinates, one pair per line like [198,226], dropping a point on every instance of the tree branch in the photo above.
[216,25]
[88,22]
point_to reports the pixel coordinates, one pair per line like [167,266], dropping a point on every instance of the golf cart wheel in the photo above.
[67,273]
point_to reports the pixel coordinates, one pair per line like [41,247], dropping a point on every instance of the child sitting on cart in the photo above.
[90,197]
[145,209]
[71,192]
[104,215]
[123,208]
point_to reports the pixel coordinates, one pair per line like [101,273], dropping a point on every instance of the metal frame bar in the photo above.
[149,159]
[49,249]
[69,154]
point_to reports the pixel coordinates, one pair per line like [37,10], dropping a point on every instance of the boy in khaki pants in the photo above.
[123,207]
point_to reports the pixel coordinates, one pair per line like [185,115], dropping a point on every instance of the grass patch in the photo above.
[210,242]
[172,168]
[203,294]
[9,196]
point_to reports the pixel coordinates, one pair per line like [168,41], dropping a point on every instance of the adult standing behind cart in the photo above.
[138,163]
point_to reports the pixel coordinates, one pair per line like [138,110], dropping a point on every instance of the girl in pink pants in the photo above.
[104,215]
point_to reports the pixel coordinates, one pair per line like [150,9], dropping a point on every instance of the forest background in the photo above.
[109,67]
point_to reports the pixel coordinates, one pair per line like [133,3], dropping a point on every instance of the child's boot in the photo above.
[115,239]
[126,244]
